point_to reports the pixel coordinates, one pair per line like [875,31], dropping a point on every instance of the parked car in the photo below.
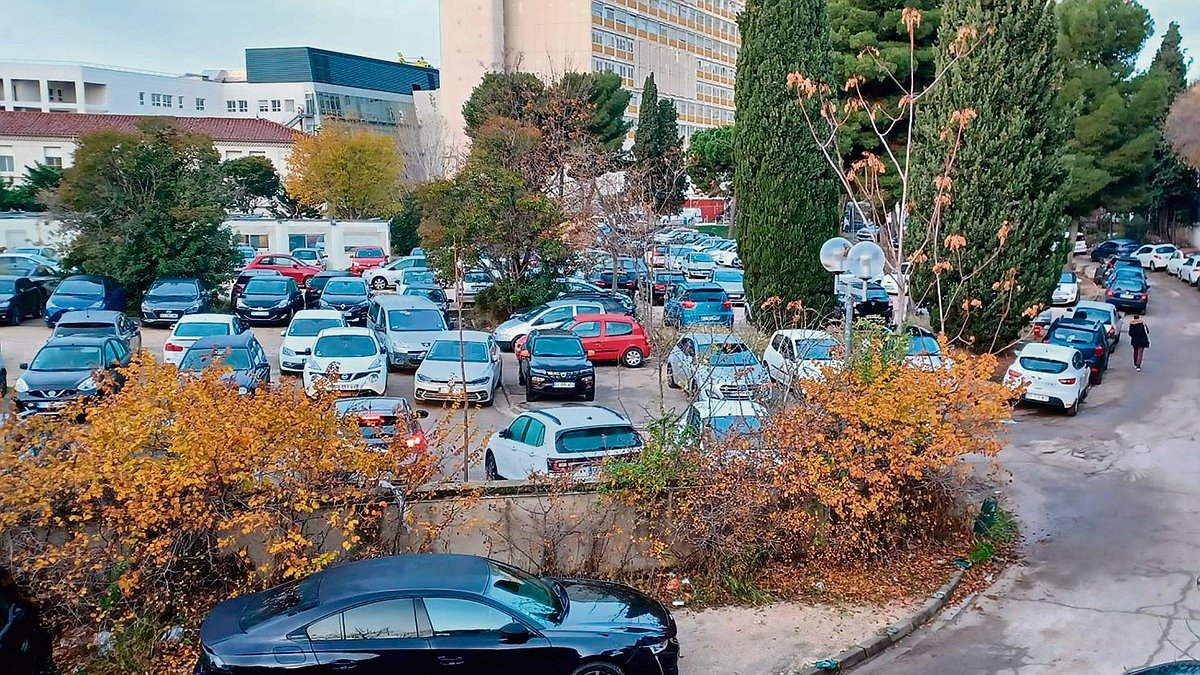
[247,252]
[1067,290]
[656,255]
[891,281]
[1129,294]
[100,322]
[195,326]
[1052,374]
[241,353]
[612,303]
[608,337]
[1081,246]
[169,298]
[366,258]
[385,276]
[553,361]
[698,265]
[243,278]
[727,257]
[709,365]
[429,613]
[84,291]
[1189,269]
[382,419]
[795,354]
[1135,275]
[406,326]
[731,281]
[1103,313]
[301,334]
[360,362]
[47,252]
[924,351]
[431,292]
[603,279]
[723,423]
[473,283]
[20,298]
[1175,261]
[415,276]
[286,265]
[694,304]
[45,276]
[269,300]
[571,440]
[658,285]
[877,304]
[553,314]
[316,286]
[1086,337]
[1112,247]
[69,368]
[1154,256]
[455,369]
[313,257]
[348,295]
[1110,265]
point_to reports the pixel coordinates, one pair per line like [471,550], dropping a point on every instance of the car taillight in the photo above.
[689,304]
[1112,331]
[660,287]
[1014,373]
[1111,293]
[1099,350]
[370,418]
[415,442]
[1143,296]
[172,347]
[727,304]
[1066,380]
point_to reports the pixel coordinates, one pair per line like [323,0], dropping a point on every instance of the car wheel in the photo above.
[1073,410]
[1097,377]
[489,467]
[530,394]
[590,395]
[671,378]
[379,283]
[598,668]
[633,358]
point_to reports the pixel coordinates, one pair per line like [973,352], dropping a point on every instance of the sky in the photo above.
[178,36]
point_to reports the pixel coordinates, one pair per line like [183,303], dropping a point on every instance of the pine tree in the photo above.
[787,195]
[1009,169]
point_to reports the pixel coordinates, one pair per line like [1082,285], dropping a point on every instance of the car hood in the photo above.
[37,379]
[262,300]
[355,364]
[559,362]
[445,371]
[811,369]
[5,297]
[299,344]
[412,339]
[341,300]
[169,304]
[754,374]
[511,328]
[603,606]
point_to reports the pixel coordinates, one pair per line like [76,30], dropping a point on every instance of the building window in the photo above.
[180,101]
[156,100]
[199,104]
[233,154]
[168,100]
[258,153]
[231,106]
[141,98]
[7,165]
[289,104]
[243,106]
[276,106]
[263,106]
[53,158]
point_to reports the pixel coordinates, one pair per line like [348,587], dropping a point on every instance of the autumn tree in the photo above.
[348,171]
[252,180]
[1183,127]
[147,205]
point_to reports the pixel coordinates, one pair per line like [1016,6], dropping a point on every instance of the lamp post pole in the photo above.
[865,261]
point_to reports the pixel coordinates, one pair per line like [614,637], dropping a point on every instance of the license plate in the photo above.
[1127,295]
[170,315]
[563,385]
[347,313]
[585,472]
[52,405]
[710,318]
[259,313]
[1037,397]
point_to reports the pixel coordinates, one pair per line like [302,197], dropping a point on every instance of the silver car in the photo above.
[553,314]
[717,365]
[456,368]
[406,326]
[730,281]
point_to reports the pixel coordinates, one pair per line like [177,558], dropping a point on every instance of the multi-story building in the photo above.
[299,87]
[691,46]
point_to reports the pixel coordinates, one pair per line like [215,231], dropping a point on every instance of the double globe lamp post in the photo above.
[864,260]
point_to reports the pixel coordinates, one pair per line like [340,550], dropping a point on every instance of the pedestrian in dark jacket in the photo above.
[24,643]
[1139,339]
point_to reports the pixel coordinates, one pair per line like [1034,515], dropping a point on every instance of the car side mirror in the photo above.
[283,333]
[515,633]
[503,433]
[24,366]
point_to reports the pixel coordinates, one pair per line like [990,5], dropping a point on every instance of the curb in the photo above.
[872,646]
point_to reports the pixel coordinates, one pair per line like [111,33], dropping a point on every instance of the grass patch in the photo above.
[992,535]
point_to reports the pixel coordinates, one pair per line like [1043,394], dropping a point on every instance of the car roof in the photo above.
[100,278]
[211,317]
[712,407]
[414,571]
[397,301]
[90,316]
[802,334]
[79,340]
[579,416]
[467,336]
[605,317]
[1094,304]
[317,314]
[702,286]
[242,340]
[346,406]
[175,279]
[332,274]
[346,330]
[711,338]
[259,273]
[553,332]
[1048,350]
[1072,322]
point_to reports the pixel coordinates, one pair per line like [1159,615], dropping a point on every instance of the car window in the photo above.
[516,432]
[450,617]
[267,286]
[555,315]
[1164,249]
[587,329]
[389,619]
[686,346]
[1051,366]
[121,349]
[777,343]
[707,295]
[201,329]
[598,439]
[110,353]
[416,320]
[1073,335]
[1077,361]
[617,328]
[329,628]
[535,434]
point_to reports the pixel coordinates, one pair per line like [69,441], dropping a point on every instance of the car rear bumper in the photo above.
[1127,305]
[708,320]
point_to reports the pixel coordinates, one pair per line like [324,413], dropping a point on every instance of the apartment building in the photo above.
[691,46]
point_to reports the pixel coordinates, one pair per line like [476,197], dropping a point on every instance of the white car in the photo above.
[717,421]
[192,327]
[726,257]
[1175,262]
[1067,290]
[357,357]
[474,282]
[301,334]
[454,368]
[1189,269]
[717,365]
[1056,376]
[698,265]
[799,354]
[570,440]
[385,276]
[891,282]
[1081,246]
[1154,256]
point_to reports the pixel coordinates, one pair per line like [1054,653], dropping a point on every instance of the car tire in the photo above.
[633,358]
[1097,378]
[598,668]
[489,467]
[1073,410]
[671,378]
[590,395]
[379,284]
[530,395]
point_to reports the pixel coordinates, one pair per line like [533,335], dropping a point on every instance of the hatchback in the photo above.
[1066,292]
[385,276]
[242,354]
[84,291]
[406,326]
[717,366]
[243,278]
[432,293]
[172,297]
[1129,294]
[733,283]
[569,440]
[719,421]
[797,354]
[1103,313]
[269,300]
[1113,247]
[626,283]
[1086,337]
[1154,256]
[347,295]
[658,286]
[432,613]
[296,270]
[195,326]
[100,322]
[694,304]
[346,360]
[554,362]
[366,258]
[460,365]
[383,419]
[68,368]
[612,337]
[698,265]
[1052,374]
[300,335]
[553,314]
[313,257]
[312,292]
[20,297]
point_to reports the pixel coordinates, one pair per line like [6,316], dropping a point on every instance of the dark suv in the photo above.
[555,362]
[1088,338]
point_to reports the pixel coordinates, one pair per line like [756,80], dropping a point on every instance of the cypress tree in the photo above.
[646,138]
[1009,169]
[671,171]
[787,195]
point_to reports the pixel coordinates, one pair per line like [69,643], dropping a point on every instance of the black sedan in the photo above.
[269,300]
[427,613]
[382,419]
[170,298]
[876,305]
[659,285]
[242,354]
[348,295]
[20,298]
[68,368]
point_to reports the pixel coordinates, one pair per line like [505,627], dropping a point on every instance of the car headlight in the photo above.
[242,391]
[21,386]
[314,366]
[479,380]
[659,647]
[377,363]
[424,378]
[287,352]
[4,305]
[282,303]
[88,385]
[537,371]
[241,304]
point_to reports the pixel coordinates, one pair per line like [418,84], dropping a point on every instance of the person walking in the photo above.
[1139,339]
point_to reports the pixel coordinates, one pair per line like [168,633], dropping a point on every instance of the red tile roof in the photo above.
[74,125]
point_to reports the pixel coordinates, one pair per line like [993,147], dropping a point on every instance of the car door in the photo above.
[773,358]
[684,365]
[618,336]
[589,333]
[1083,377]
[26,298]
[383,636]
[512,459]
[1143,255]
[262,365]
[465,639]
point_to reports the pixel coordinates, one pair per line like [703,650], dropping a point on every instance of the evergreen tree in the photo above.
[787,195]
[658,152]
[1008,170]
[647,141]
[1173,191]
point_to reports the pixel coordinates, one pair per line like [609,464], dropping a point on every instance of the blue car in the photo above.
[1113,247]
[84,291]
[1089,338]
[698,304]
[1128,293]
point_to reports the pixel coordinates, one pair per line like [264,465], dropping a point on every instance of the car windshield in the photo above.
[369,253]
[17,267]
[453,350]
[728,354]
[526,594]
[63,358]
[85,328]
[345,346]
[558,346]
[1040,365]
[923,345]
[294,596]
[1093,315]
[199,359]
[310,327]
[875,292]
[1128,284]
[706,295]
[669,278]
[734,424]
[701,257]
[201,329]
[267,286]
[80,288]
[1067,278]
[435,295]
[302,254]
[346,287]
[477,278]
[415,319]
[8,285]
[415,276]
[815,350]
[1072,335]
[532,313]
[173,290]
[727,275]
[598,439]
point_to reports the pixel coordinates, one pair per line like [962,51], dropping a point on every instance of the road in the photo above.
[1108,505]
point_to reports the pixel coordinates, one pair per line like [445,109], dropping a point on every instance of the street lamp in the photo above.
[864,260]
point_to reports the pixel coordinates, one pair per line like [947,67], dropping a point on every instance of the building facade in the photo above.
[691,46]
[301,87]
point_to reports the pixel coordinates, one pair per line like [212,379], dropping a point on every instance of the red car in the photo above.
[366,258]
[285,265]
[608,337]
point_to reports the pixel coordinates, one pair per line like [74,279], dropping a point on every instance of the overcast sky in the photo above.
[173,36]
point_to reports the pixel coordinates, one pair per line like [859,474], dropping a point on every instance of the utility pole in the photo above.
[459,287]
